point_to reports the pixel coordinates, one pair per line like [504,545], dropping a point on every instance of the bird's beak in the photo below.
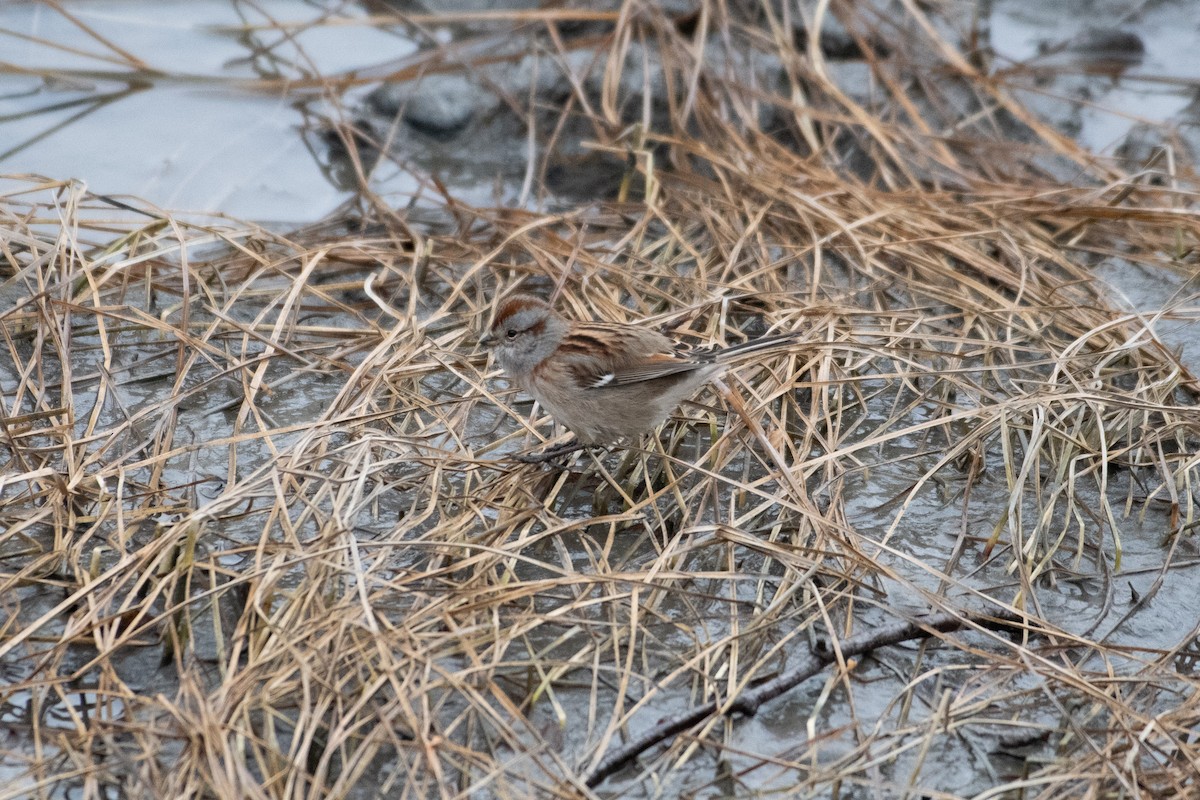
[487,340]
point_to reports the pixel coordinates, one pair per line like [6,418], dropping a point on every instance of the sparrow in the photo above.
[605,381]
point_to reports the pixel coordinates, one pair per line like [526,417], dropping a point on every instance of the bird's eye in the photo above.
[512,333]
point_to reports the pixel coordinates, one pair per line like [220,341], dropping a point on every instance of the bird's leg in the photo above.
[552,453]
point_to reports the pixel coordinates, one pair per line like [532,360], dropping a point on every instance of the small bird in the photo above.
[605,381]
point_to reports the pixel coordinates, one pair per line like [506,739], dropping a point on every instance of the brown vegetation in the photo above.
[261,539]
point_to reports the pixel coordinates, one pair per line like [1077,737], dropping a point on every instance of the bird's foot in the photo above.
[552,453]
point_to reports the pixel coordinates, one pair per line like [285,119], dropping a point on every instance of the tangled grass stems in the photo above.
[219,451]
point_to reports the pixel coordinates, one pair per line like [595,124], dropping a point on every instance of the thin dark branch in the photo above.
[810,665]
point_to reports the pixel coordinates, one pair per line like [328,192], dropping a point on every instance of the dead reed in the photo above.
[261,538]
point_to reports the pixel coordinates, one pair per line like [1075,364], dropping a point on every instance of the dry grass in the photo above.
[261,539]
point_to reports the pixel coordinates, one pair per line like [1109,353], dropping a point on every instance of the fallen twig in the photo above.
[749,702]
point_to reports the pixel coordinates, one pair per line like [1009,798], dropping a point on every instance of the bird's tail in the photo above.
[766,344]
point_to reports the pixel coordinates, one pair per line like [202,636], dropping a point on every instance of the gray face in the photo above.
[526,331]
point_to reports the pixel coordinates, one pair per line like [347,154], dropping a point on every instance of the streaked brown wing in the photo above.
[595,364]
[649,372]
